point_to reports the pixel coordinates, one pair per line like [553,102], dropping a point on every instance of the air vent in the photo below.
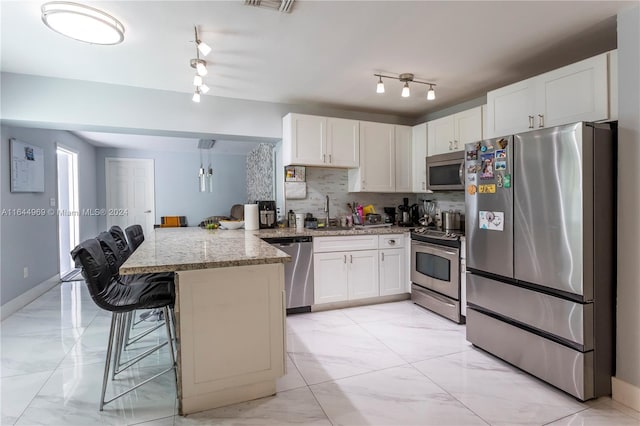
[284,6]
[206,143]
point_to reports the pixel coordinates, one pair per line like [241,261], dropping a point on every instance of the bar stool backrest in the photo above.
[111,252]
[89,256]
[121,241]
[135,234]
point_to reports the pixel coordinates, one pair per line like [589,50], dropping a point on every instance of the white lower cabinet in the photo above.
[393,272]
[363,274]
[330,277]
[352,267]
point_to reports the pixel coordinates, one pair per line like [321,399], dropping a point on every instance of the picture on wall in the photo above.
[27,167]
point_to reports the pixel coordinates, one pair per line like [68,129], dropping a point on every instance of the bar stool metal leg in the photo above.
[107,362]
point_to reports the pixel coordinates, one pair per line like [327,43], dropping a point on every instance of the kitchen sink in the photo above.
[333,228]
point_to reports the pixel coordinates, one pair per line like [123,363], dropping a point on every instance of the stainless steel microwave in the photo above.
[445,172]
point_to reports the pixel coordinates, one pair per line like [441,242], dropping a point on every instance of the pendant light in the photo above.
[405,90]
[380,86]
[431,94]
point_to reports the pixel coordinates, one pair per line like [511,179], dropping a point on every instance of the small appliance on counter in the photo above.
[405,213]
[310,222]
[267,214]
[390,215]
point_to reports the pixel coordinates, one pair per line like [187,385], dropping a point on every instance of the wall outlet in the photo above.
[26,272]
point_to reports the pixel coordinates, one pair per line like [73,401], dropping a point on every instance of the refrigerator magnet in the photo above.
[472,189]
[471,178]
[486,171]
[502,143]
[501,166]
[501,153]
[499,181]
[492,221]
[507,181]
[473,168]
[472,155]
[487,189]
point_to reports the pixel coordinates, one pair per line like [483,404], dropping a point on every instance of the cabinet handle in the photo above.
[350,258]
[541,120]
[345,258]
[531,121]
[392,242]
[455,144]
[450,145]
[423,185]
[382,256]
[324,158]
[329,158]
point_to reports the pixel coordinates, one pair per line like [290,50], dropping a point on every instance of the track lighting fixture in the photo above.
[406,78]
[200,66]
[82,23]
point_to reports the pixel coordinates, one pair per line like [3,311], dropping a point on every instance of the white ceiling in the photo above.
[324,52]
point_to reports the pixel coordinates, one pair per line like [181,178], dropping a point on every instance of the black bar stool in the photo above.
[135,235]
[112,295]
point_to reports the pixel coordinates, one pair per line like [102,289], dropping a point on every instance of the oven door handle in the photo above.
[434,249]
[439,298]
[461,173]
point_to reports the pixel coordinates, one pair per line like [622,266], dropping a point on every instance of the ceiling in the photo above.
[322,53]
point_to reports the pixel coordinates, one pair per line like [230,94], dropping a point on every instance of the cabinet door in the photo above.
[363,274]
[577,92]
[419,154]
[441,134]
[392,272]
[343,143]
[510,109]
[330,277]
[468,127]
[377,157]
[403,159]
[308,139]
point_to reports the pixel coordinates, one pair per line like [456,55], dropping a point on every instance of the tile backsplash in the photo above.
[445,200]
[323,181]
[260,173]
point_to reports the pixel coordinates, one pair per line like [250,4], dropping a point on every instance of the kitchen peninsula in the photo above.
[230,312]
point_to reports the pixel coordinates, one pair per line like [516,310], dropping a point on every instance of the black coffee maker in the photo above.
[391,214]
[405,213]
[267,214]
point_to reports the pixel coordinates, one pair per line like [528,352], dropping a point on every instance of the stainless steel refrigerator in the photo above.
[540,229]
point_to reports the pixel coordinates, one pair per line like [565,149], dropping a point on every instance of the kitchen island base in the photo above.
[231,334]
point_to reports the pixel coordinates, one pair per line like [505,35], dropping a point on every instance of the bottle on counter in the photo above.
[291,219]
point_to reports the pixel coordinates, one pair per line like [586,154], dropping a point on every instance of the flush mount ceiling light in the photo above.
[279,5]
[406,78]
[201,67]
[82,23]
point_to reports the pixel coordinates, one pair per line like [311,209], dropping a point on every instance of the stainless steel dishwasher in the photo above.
[298,274]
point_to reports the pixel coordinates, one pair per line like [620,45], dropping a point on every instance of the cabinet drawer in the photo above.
[391,241]
[345,243]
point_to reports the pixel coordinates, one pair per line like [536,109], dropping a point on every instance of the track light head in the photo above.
[405,90]
[431,94]
[380,86]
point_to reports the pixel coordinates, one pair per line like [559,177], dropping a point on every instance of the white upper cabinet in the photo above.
[577,92]
[419,156]
[310,140]
[377,171]
[385,159]
[451,133]
[343,142]
[404,166]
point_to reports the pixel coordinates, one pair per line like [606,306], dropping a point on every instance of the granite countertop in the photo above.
[291,232]
[184,249]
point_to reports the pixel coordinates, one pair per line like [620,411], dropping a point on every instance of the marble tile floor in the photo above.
[388,364]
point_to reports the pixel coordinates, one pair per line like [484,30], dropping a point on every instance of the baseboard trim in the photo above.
[28,296]
[625,393]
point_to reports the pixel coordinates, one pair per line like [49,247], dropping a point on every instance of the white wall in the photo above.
[176,183]
[82,105]
[30,241]
[628,300]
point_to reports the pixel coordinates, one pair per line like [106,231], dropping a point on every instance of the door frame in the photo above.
[74,208]
[107,176]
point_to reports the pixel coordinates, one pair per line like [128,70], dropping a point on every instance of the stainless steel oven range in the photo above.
[435,272]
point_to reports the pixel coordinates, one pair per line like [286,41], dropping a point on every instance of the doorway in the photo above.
[130,193]
[68,207]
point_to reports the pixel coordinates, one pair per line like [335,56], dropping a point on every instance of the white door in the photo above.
[510,109]
[440,135]
[68,207]
[130,193]
[468,127]
[308,139]
[363,274]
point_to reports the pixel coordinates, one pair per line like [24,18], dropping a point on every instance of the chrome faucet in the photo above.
[326,209]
